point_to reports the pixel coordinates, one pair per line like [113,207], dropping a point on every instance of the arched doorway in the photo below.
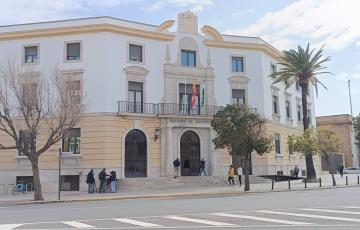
[135,154]
[190,153]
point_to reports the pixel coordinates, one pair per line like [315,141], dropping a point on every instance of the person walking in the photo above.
[176,165]
[112,181]
[341,170]
[231,174]
[90,180]
[202,166]
[240,173]
[102,179]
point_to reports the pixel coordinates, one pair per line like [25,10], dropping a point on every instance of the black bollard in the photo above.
[289,183]
[305,183]
[272,184]
[320,182]
[347,182]
[358,179]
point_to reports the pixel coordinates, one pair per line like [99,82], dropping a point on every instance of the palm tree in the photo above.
[302,66]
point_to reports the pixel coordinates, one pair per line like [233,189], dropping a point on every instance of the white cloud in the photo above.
[331,22]
[244,12]
[21,11]
[193,5]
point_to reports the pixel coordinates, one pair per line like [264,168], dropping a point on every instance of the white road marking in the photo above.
[311,216]
[9,226]
[330,211]
[136,222]
[352,207]
[77,224]
[199,221]
[261,219]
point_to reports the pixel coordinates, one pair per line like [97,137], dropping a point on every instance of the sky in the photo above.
[285,24]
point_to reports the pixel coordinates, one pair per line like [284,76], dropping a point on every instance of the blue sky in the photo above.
[283,23]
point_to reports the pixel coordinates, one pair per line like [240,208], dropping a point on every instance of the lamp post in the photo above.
[59,186]
[351,110]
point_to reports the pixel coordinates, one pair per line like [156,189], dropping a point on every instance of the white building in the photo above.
[138,81]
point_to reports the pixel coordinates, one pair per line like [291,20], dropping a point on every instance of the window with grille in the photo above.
[31,54]
[238,96]
[71,141]
[277,144]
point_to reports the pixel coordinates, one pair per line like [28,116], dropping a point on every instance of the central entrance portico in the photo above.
[190,153]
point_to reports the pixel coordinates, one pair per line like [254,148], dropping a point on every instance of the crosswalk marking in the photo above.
[199,221]
[9,226]
[261,219]
[311,216]
[330,211]
[136,222]
[77,224]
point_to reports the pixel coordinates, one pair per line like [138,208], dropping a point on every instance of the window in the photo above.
[275,104]
[73,51]
[73,88]
[24,139]
[237,64]
[71,141]
[29,95]
[135,97]
[31,54]
[135,53]
[277,143]
[272,68]
[70,183]
[298,110]
[185,96]
[288,109]
[188,58]
[309,115]
[238,96]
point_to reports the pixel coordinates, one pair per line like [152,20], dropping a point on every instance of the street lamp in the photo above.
[59,186]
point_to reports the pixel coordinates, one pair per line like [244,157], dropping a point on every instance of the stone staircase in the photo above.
[163,183]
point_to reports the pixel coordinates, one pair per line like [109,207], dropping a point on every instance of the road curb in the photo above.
[178,195]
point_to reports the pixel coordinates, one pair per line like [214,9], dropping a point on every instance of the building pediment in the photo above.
[136,70]
[212,32]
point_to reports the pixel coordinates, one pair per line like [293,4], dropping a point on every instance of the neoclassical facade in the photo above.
[151,92]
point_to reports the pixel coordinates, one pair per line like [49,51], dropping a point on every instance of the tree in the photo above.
[302,67]
[242,132]
[32,105]
[324,142]
[357,129]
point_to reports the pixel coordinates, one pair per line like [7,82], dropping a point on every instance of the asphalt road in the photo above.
[317,209]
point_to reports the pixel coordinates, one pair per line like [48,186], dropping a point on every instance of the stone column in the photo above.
[169,151]
[214,157]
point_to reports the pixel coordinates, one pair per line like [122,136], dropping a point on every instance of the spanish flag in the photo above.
[193,96]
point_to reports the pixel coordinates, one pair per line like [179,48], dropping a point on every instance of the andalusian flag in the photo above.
[203,95]
[193,96]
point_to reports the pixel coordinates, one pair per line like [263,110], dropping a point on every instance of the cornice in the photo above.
[84,29]
[247,46]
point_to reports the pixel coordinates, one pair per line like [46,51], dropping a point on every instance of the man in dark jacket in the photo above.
[112,181]
[202,166]
[176,164]
[102,179]
[90,180]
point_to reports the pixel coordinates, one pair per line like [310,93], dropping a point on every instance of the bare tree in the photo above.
[33,103]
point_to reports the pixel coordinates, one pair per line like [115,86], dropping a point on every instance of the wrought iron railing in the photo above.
[163,109]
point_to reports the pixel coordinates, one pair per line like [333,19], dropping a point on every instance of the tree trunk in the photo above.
[36,179]
[331,171]
[246,173]
[310,169]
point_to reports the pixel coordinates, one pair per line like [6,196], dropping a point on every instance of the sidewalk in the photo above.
[184,192]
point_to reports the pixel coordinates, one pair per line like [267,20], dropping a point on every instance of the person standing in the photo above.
[341,170]
[102,179]
[90,180]
[186,167]
[112,181]
[240,173]
[231,174]
[202,166]
[176,165]
[296,171]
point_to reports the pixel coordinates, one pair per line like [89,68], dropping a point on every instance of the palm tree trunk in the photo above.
[36,178]
[310,169]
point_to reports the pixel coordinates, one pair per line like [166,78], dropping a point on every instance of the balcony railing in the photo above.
[167,109]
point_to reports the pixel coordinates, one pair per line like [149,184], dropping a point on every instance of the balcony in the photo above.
[166,109]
